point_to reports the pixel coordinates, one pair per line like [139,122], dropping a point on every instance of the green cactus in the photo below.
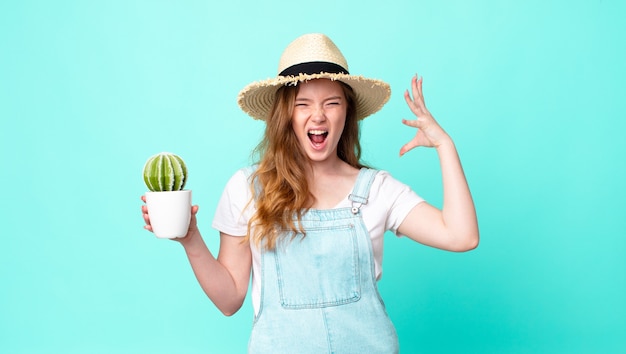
[165,172]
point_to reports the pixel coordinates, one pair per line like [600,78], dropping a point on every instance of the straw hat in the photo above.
[309,57]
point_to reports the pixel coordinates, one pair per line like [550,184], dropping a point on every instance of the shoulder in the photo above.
[238,184]
[384,179]
[389,189]
[242,175]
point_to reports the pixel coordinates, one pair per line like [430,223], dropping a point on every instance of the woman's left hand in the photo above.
[429,133]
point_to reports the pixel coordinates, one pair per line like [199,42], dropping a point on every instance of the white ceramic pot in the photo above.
[170,213]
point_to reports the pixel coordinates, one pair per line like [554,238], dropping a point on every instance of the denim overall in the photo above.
[318,293]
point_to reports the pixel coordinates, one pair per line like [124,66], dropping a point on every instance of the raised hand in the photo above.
[429,133]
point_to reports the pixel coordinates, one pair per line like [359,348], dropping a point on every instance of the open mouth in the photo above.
[317,136]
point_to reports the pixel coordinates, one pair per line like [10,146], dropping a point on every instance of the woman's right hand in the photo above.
[193,224]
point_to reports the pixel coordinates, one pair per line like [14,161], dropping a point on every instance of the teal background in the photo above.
[531,91]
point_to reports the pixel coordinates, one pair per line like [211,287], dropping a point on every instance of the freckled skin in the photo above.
[320,105]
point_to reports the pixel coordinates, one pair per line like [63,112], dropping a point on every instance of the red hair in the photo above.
[283,192]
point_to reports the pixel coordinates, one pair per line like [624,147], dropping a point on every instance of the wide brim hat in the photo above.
[309,57]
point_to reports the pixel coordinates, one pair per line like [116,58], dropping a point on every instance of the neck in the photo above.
[326,167]
[330,182]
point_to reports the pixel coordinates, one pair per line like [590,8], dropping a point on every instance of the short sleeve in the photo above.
[400,200]
[234,208]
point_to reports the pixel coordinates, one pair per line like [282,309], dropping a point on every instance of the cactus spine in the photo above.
[165,172]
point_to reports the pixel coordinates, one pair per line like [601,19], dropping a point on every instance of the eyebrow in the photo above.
[326,99]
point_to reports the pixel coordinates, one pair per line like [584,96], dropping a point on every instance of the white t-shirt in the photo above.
[388,204]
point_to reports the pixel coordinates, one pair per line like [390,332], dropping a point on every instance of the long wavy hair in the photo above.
[282,193]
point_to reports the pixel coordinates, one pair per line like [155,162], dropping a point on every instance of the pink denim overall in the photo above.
[319,293]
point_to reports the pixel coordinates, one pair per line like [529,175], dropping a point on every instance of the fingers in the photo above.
[409,146]
[404,149]
[417,87]
[414,87]
[429,133]
[417,140]
[413,105]
[418,95]
[409,99]
[415,99]
[411,123]
[146,215]
[146,218]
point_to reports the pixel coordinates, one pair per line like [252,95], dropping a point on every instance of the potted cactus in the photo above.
[169,205]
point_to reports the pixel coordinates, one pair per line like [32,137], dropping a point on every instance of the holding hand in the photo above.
[193,226]
[429,133]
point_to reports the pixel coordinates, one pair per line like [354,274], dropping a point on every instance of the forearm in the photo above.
[214,278]
[458,212]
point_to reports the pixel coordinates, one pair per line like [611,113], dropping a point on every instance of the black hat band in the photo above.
[313,67]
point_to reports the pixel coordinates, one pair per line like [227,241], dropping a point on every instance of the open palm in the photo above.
[429,133]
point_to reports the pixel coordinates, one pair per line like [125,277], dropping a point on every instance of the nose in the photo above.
[318,114]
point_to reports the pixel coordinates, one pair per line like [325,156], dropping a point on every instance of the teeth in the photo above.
[317,132]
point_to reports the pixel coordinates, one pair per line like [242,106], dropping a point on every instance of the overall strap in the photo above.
[361,190]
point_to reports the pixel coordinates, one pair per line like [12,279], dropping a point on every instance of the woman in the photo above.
[309,218]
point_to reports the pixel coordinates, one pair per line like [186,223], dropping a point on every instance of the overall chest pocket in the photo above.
[319,270]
